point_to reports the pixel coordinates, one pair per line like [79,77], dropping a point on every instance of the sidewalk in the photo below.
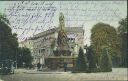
[20,70]
[27,71]
[41,72]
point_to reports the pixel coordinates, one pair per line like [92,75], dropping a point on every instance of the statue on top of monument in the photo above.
[62,37]
[61,21]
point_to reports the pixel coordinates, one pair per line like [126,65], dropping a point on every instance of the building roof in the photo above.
[53,30]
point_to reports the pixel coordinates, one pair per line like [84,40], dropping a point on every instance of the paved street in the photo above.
[117,74]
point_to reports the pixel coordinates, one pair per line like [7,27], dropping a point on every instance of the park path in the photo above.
[119,74]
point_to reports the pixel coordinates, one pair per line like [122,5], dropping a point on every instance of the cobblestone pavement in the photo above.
[116,74]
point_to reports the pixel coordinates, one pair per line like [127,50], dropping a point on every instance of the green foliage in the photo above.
[4,19]
[24,57]
[8,41]
[9,45]
[91,59]
[81,63]
[123,34]
[105,61]
[105,35]
[123,28]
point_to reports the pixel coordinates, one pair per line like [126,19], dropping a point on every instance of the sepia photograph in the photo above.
[63,40]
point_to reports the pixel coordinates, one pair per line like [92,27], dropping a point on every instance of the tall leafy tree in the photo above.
[8,41]
[81,63]
[9,45]
[123,34]
[105,35]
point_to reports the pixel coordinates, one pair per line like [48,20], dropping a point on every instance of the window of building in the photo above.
[42,50]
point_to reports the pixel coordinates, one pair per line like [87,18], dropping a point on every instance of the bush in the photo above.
[91,59]
[81,62]
[105,61]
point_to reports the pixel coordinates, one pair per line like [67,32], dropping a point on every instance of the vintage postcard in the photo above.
[63,40]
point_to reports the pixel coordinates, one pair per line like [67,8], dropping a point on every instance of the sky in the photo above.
[28,18]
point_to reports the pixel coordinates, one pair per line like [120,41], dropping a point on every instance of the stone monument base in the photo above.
[57,62]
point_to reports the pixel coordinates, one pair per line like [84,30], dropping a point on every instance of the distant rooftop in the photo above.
[53,30]
[67,29]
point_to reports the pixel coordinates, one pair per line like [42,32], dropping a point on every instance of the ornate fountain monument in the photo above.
[62,54]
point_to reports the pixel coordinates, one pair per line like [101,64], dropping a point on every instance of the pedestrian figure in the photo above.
[38,66]
[65,67]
